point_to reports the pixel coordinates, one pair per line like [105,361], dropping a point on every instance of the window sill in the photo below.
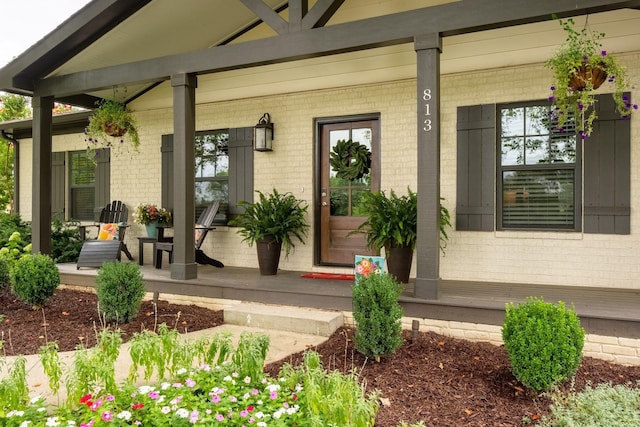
[535,234]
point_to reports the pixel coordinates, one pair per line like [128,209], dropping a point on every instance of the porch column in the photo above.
[41,172]
[184,125]
[428,48]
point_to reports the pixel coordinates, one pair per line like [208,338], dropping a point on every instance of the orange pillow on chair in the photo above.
[109,231]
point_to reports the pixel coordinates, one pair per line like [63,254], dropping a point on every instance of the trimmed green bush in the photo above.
[377,315]
[120,290]
[604,405]
[35,278]
[544,342]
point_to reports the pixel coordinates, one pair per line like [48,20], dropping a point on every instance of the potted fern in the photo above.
[580,66]
[392,223]
[110,125]
[272,223]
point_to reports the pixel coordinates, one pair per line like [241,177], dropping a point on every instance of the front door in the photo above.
[340,207]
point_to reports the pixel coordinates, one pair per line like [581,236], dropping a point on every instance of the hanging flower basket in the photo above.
[110,126]
[580,66]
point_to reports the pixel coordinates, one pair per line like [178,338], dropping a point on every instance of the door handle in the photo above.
[324,203]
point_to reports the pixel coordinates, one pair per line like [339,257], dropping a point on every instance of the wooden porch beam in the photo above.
[297,10]
[320,14]
[452,18]
[267,15]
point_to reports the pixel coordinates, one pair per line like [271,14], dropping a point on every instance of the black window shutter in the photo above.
[476,141]
[240,168]
[167,171]
[102,180]
[57,185]
[607,172]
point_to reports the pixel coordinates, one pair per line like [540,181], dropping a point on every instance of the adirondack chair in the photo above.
[111,228]
[203,226]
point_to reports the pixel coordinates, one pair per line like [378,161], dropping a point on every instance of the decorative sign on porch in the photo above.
[367,264]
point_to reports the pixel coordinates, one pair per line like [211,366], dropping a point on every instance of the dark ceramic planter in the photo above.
[399,259]
[268,255]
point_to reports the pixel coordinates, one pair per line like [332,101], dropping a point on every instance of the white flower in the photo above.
[259,415]
[182,413]
[273,387]
[52,422]
[182,371]
[262,424]
[25,423]
[15,414]
[278,413]
[124,415]
[36,399]
[165,385]
[145,389]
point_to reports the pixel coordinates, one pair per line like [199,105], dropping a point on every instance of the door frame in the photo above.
[317,170]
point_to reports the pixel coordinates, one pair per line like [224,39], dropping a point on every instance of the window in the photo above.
[224,170]
[212,172]
[82,186]
[513,172]
[537,170]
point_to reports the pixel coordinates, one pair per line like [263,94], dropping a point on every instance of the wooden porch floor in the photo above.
[612,312]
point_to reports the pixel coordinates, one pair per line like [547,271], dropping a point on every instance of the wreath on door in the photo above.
[350,160]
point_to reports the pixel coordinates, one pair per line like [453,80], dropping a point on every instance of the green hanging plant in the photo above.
[110,125]
[579,67]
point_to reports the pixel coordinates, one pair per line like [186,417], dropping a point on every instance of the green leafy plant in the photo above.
[544,342]
[279,215]
[329,398]
[391,221]
[377,315]
[603,405]
[120,290]
[579,66]
[110,125]
[65,241]
[35,278]
[5,274]
[10,224]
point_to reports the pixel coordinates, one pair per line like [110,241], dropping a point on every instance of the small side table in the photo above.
[141,242]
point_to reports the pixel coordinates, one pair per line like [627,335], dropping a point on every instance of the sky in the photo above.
[24,22]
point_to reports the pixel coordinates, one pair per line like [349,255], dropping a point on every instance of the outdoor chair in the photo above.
[111,228]
[165,244]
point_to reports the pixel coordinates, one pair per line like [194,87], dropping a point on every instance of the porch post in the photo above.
[428,48]
[41,165]
[184,125]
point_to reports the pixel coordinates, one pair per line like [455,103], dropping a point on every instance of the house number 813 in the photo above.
[426,97]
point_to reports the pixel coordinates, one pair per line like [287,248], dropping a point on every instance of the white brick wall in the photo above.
[528,257]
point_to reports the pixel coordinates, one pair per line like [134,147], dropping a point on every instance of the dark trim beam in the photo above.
[297,10]
[267,15]
[451,18]
[320,14]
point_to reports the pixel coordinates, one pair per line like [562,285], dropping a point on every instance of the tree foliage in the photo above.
[12,107]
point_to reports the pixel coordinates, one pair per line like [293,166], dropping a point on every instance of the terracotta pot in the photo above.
[268,255]
[399,260]
[585,74]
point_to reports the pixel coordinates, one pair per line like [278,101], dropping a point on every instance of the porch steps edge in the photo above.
[284,318]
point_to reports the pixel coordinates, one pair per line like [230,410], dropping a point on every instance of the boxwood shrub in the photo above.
[544,342]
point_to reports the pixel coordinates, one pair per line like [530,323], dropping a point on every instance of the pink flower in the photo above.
[107,416]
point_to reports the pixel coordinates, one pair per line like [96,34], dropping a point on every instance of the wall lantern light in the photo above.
[263,134]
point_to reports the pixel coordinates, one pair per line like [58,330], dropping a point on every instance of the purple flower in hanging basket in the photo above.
[582,134]
[553,88]
[552,98]
[580,106]
[603,53]
[635,106]
[611,78]
[585,58]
